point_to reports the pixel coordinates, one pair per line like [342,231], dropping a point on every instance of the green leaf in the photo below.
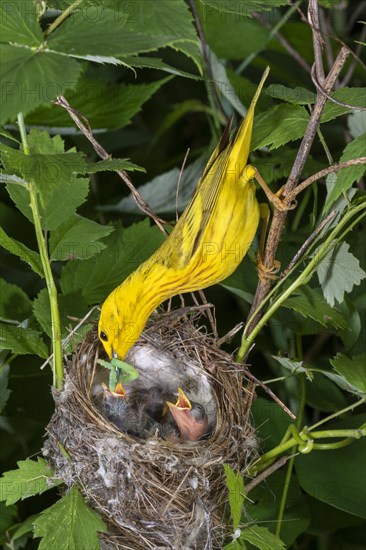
[22,341]
[346,177]
[55,174]
[338,273]
[105,105]
[78,238]
[337,477]
[244,10]
[353,370]
[295,367]
[127,372]
[19,24]
[357,123]
[31,78]
[263,503]
[23,252]
[262,538]
[296,96]
[309,303]
[352,96]
[15,304]
[279,125]
[95,278]
[224,34]
[113,165]
[161,192]
[271,422]
[69,524]
[156,63]
[25,527]
[8,517]
[235,485]
[33,477]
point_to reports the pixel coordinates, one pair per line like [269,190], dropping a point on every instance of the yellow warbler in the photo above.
[207,244]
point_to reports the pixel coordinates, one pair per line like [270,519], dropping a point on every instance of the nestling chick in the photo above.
[190,417]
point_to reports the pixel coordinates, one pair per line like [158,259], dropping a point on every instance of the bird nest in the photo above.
[151,492]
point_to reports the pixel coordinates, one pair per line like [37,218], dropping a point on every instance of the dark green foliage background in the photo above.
[147,96]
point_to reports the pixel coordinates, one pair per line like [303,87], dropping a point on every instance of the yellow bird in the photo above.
[206,245]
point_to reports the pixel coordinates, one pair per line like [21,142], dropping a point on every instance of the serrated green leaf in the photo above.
[23,341]
[31,78]
[23,252]
[69,524]
[310,303]
[161,192]
[15,304]
[279,125]
[244,9]
[352,96]
[113,165]
[296,96]
[338,273]
[235,485]
[346,177]
[77,237]
[105,105]
[126,249]
[19,24]
[262,538]
[156,63]
[353,370]
[295,367]
[33,477]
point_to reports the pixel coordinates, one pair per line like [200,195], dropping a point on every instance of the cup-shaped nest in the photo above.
[155,492]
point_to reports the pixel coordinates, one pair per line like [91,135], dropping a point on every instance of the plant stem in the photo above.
[302,279]
[61,18]
[57,366]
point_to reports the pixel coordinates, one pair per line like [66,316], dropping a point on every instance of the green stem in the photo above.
[64,15]
[303,278]
[291,461]
[306,438]
[58,373]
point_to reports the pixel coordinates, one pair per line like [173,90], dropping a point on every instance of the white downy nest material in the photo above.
[152,493]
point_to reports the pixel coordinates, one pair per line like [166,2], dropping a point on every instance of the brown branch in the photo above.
[102,153]
[333,168]
[266,473]
[279,217]
[270,393]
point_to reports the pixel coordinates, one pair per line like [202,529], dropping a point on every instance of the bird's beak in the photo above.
[181,413]
[117,392]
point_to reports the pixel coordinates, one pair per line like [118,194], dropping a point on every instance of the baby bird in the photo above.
[141,416]
[190,417]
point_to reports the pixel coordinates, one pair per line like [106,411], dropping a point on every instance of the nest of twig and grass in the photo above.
[155,493]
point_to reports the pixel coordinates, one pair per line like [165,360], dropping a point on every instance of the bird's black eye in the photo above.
[103,336]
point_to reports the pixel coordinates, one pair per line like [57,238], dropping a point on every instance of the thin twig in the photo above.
[284,42]
[330,169]
[102,153]
[306,244]
[270,393]
[356,60]
[266,473]
[279,218]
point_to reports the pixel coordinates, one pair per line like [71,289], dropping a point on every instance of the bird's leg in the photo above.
[281,203]
[263,271]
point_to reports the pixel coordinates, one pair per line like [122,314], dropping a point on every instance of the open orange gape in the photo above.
[156,487]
